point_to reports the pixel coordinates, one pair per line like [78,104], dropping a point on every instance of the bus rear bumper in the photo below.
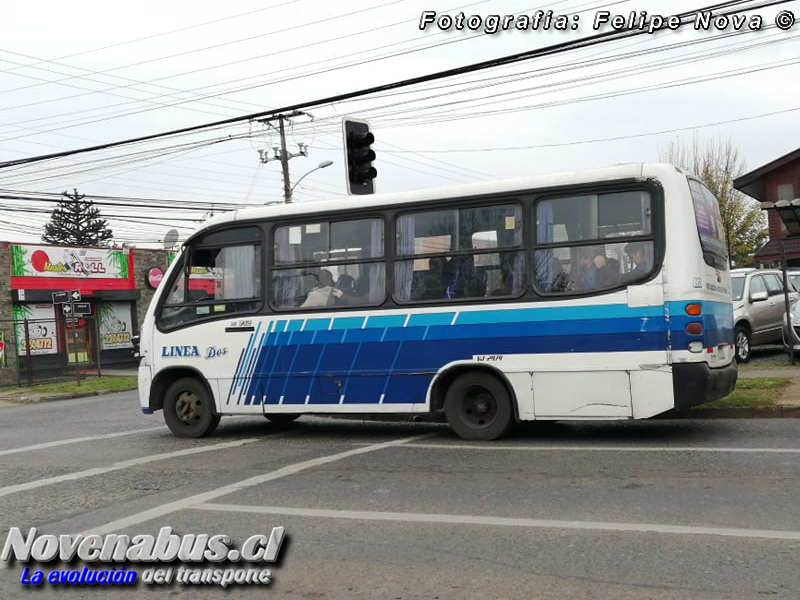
[697,383]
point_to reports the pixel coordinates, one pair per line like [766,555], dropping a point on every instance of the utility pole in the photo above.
[281,154]
[287,188]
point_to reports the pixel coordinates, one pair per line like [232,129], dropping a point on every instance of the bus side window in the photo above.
[578,231]
[460,253]
[350,252]
[215,282]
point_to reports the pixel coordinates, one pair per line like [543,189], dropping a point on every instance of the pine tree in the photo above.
[76,221]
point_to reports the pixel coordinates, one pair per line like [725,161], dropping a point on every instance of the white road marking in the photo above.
[503,521]
[190,501]
[125,464]
[88,438]
[502,448]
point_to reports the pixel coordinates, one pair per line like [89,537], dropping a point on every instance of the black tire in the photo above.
[742,344]
[478,407]
[281,419]
[189,409]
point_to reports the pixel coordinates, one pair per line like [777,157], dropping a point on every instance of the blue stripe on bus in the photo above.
[246,359]
[420,319]
[560,313]
[363,335]
[382,321]
[295,325]
[317,324]
[348,323]
[395,356]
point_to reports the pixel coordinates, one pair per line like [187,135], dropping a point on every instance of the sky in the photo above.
[81,74]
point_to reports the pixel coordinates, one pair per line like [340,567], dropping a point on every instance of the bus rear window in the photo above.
[709,225]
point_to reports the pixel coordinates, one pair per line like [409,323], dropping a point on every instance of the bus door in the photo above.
[208,318]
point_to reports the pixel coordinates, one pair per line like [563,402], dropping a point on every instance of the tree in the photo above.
[76,221]
[717,164]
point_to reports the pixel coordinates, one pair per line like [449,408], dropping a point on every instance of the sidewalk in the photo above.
[23,395]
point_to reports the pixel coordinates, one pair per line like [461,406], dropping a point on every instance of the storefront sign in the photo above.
[153,277]
[42,330]
[37,267]
[115,323]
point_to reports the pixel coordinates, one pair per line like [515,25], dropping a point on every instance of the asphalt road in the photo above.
[685,509]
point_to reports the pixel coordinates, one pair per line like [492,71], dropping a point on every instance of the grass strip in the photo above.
[755,392]
[111,383]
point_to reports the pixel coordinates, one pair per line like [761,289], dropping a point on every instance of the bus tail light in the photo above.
[695,346]
[693,310]
[694,328]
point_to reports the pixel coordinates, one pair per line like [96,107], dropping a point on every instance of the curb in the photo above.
[38,399]
[780,412]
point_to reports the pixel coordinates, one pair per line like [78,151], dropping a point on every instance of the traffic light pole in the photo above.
[359,156]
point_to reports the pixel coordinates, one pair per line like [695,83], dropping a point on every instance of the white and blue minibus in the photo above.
[601,294]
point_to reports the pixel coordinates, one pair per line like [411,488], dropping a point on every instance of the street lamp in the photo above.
[322,165]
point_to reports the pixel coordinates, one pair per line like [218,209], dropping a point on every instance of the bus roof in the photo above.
[600,174]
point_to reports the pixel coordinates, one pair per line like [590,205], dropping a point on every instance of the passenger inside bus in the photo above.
[467,281]
[321,293]
[637,253]
[594,269]
[432,284]
[344,290]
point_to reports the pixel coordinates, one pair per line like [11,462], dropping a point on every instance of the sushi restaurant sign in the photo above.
[62,261]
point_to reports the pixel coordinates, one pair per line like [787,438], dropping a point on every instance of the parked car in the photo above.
[759,309]
[791,326]
[791,331]
[794,277]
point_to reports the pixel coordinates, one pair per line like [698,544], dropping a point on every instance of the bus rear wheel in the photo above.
[189,409]
[478,407]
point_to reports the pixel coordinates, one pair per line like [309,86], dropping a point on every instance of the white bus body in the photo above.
[487,303]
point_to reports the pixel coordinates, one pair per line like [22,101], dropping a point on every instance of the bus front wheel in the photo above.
[478,407]
[189,409]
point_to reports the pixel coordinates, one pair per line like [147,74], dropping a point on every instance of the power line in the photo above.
[202,97]
[598,140]
[527,55]
[237,41]
[163,33]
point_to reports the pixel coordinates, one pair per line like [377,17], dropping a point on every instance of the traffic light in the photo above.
[359,156]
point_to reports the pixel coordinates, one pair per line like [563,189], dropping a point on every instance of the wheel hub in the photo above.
[479,406]
[188,407]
